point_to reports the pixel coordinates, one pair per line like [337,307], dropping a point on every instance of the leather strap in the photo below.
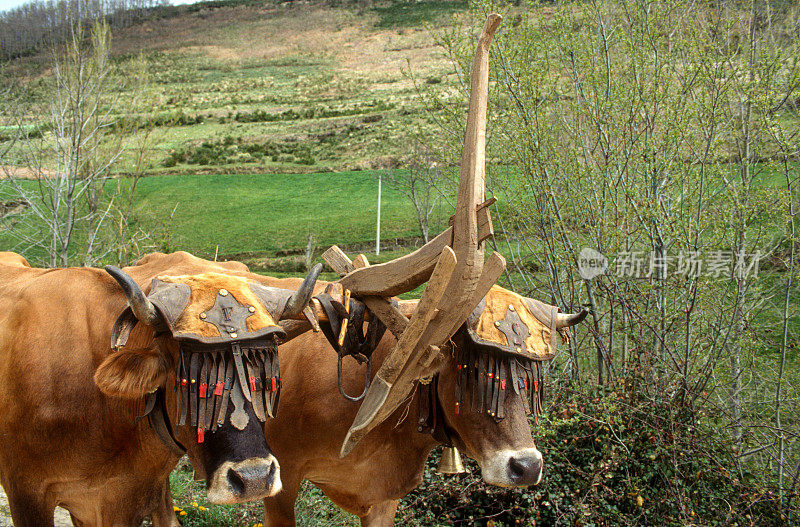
[268,378]
[528,386]
[255,384]
[513,370]
[502,381]
[202,392]
[240,371]
[263,364]
[212,383]
[474,374]
[357,343]
[481,381]
[538,391]
[494,382]
[266,365]
[219,391]
[223,408]
[156,412]
[431,418]
[459,383]
[275,382]
[335,312]
[182,381]
[194,375]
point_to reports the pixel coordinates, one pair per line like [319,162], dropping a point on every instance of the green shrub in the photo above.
[231,150]
[610,459]
[322,112]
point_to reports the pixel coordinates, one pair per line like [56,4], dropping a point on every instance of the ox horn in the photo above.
[565,320]
[299,300]
[142,308]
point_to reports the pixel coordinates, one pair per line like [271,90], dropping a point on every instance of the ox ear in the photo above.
[131,374]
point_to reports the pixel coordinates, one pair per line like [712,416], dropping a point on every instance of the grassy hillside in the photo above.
[255,88]
[290,87]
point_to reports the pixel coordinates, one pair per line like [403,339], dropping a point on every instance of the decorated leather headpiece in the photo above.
[507,338]
[213,308]
[507,322]
[228,335]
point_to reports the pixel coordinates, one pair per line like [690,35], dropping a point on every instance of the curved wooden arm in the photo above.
[442,309]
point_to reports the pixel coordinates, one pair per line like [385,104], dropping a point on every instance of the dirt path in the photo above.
[23,172]
[61,516]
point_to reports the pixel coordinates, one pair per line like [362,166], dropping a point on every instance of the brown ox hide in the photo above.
[62,441]
[313,419]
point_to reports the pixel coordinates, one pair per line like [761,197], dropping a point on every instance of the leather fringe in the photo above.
[204,380]
[484,378]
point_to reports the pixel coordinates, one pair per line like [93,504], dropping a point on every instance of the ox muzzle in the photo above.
[239,465]
[513,468]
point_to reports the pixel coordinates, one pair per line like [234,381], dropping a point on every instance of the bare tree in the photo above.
[37,25]
[422,182]
[65,174]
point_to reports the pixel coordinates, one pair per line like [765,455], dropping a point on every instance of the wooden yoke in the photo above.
[452,263]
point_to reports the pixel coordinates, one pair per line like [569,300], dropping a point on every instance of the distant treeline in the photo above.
[36,25]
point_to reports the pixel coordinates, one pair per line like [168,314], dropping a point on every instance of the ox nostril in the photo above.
[238,482]
[516,470]
[247,479]
[235,483]
[524,470]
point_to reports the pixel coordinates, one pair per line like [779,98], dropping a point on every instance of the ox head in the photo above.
[492,381]
[213,365]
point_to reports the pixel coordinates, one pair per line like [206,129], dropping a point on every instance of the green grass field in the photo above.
[265,219]
[271,214]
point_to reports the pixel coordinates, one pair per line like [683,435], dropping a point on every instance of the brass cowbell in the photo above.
[450,462]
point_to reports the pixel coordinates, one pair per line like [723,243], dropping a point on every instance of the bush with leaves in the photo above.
[230,150]
[609,460]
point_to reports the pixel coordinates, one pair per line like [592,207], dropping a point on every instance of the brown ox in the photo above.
[389,462]
[67,443]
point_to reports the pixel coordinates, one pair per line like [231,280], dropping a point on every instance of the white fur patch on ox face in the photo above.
[512,468]
[248,480]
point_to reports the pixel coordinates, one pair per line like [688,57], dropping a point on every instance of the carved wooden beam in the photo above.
[393,319]
[405,353]
[338,260]
[468,280]
[410,271]
[481,212]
